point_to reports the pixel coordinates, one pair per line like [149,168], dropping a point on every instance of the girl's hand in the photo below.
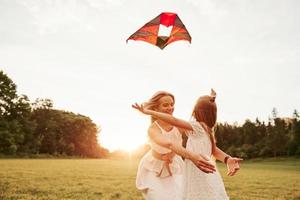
[233,165]
[139,108]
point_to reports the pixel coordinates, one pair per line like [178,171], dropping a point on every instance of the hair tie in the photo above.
[213,95]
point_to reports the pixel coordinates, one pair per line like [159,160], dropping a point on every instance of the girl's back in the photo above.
[199,185]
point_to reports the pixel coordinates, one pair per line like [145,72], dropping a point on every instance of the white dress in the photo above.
[163,186]
[197,184]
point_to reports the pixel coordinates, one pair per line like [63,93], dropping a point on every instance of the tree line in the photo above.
[37,128]
[277,137]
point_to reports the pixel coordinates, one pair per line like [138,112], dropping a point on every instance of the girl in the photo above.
[201,140]
[160,172]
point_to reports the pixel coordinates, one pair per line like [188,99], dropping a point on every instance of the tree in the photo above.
[61,132]
[274,113]
[15,124]
[296,115]
[42,104]
[294,140]
[278,137]
[249,133]
[8,93]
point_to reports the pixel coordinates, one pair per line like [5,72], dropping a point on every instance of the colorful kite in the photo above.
[149,32]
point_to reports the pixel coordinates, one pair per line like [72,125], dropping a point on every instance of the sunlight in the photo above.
[129,148]
[127,144]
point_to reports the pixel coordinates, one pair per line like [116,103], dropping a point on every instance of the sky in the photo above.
[74,52]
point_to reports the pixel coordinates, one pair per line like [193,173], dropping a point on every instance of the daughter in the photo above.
[199,185]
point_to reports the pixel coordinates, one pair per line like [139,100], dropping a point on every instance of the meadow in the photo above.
[69,179]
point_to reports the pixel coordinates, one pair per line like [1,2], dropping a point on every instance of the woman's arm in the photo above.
[183,131]
[200,161]
[165,117]
[233,164]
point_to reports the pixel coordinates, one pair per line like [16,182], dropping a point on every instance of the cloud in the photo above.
[209,7]
[55,15]
[105,3]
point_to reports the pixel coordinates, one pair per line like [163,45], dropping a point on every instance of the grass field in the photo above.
[115,179]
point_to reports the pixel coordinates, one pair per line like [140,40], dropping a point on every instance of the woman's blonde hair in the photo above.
[205,112]
[153,102]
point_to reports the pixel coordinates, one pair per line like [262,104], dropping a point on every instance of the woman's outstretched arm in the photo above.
[165,117]
[200,161]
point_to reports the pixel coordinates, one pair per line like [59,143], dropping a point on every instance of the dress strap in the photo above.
[157,124]
[167,158]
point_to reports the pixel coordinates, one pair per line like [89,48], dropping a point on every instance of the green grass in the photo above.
[115,179]
[265,180]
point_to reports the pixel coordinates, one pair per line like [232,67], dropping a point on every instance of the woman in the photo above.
[199,185]
[160,172]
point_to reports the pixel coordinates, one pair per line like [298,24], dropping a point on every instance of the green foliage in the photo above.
[281,137]
[297,153]
[8,91]
[42,104]
[60,132]
[35,128]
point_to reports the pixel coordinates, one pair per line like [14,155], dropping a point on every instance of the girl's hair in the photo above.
[153,102]
[205,112]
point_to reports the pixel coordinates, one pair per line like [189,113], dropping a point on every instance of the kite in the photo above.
[149,32]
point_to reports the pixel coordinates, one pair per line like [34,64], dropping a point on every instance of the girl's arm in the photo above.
[233,164]
[200,161]
[219,154]
[165,117]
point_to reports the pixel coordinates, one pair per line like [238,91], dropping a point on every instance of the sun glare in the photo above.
[124,144]
[129,147]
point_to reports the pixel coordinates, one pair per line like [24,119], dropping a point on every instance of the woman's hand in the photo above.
[233,165]
[139,108]
[203,163]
